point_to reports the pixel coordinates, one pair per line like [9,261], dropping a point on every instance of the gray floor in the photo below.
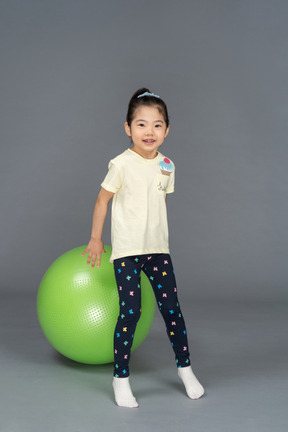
[239,353]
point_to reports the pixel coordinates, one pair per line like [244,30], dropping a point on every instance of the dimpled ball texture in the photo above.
[78,307]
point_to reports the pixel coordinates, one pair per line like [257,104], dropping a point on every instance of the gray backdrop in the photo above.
[68,70]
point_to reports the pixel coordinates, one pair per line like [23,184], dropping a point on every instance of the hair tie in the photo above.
[148,94]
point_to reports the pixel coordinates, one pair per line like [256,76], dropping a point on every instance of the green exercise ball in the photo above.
[78,307]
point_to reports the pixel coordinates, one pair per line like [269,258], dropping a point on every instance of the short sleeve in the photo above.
[112,181]
[171,183]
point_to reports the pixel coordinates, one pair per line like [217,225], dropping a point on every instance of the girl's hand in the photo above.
[94,250]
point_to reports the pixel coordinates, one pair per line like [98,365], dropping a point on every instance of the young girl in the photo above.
[139,180]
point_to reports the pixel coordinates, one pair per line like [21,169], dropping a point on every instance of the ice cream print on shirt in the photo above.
[166,166]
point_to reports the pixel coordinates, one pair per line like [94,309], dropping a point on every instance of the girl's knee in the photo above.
[169,311]
[130,315]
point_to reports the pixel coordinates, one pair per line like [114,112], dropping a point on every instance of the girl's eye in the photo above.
[158,126]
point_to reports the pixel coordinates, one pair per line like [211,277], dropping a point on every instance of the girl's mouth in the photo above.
[149,141]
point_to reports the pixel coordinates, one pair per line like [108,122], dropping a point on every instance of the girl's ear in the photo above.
[127,129]
[167,131]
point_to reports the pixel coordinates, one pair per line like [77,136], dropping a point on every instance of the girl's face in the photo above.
[147,130]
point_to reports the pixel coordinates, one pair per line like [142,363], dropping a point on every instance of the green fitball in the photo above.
[78,307]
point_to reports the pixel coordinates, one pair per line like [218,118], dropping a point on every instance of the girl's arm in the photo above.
[95,246]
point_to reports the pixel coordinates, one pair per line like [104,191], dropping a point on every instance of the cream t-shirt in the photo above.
[139,216]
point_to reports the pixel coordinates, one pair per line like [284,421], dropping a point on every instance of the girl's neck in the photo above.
[146,155]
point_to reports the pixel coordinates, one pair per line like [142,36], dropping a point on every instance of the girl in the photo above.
[139,180]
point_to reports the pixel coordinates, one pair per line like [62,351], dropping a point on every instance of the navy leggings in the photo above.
[159,270]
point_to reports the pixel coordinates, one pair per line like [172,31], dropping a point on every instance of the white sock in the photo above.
[123,393]
[193,388]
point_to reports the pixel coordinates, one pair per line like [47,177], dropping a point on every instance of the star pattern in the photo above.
[160,273]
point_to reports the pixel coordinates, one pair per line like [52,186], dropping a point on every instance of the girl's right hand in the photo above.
[94,250]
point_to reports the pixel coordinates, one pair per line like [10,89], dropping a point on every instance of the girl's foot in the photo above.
[193,388]
[123,393]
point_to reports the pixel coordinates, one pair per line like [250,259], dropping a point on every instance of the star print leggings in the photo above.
[159,270]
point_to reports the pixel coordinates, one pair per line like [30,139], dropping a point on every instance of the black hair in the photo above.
[147,100]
